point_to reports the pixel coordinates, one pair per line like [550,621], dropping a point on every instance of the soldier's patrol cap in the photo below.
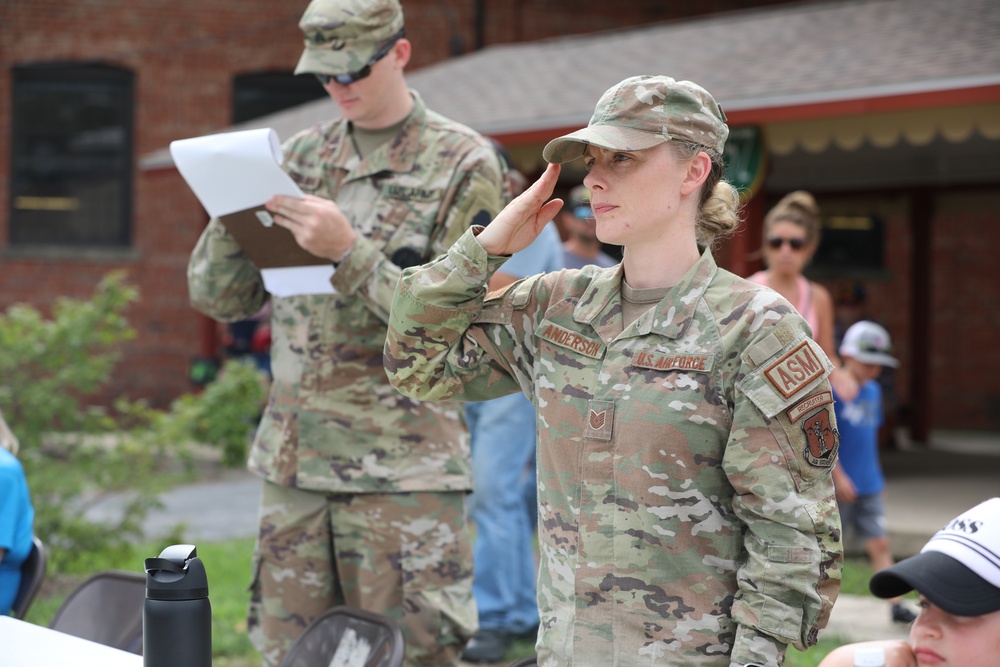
[642,112]
[341,36]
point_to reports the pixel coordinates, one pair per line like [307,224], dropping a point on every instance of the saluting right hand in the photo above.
[522,220]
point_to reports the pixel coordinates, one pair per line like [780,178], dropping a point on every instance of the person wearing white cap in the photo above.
[865,350]
[957,576]
[685,430]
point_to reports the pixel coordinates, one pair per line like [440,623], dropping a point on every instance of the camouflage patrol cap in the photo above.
[342,35]
[645,111]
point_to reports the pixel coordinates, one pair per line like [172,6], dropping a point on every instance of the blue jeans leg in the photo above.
[502,508]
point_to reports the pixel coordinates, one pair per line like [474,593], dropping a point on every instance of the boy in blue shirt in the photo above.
[866,350]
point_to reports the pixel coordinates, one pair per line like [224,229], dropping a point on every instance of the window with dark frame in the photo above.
[71,155]
[263,93]
[851,242]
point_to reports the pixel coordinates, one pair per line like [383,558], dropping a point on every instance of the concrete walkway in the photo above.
[927,486]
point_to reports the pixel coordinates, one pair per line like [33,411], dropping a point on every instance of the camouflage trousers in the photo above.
[407,556]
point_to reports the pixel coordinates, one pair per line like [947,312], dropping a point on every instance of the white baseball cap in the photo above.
[869,343]
[958,569]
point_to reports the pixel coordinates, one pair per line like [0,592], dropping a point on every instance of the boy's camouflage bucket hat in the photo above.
[342,35]
[645,111]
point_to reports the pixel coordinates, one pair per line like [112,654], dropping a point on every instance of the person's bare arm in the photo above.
[897,654]
[846,491]
[843,382]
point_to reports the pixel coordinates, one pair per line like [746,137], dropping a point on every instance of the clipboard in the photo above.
[233,174]
[267,245]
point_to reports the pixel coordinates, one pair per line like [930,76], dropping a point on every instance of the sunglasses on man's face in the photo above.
[351,77]
[775,242]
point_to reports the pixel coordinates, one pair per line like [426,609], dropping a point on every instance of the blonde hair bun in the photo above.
[799,207]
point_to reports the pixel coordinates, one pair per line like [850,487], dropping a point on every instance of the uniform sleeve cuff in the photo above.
[754,647]
[355,266]
[472,260]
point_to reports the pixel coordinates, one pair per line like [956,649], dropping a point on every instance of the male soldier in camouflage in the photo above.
[364,495]
[685,424]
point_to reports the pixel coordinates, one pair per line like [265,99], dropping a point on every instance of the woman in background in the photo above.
[791,237]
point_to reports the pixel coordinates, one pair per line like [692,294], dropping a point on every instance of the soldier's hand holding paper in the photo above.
[317,224]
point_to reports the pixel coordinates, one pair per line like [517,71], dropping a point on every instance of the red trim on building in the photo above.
[908,102]
[853,107]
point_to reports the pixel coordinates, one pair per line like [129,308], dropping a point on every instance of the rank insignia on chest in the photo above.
[822,439]
[600,419]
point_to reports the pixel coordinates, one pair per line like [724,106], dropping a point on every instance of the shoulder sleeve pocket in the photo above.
[499,306]
[783,373]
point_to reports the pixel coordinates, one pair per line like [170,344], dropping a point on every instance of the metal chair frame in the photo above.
[107,609]
[32,575]
[379,635]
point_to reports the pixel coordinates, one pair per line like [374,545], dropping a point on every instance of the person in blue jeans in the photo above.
[16,519]
[503,506]
[866,349]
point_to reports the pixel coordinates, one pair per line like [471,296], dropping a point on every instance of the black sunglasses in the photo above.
[351,77]
[872,347]
[778,241]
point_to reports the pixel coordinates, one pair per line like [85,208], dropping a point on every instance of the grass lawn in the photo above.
[228,566]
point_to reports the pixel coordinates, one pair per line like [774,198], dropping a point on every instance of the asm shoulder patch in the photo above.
[794,370]
[784,375]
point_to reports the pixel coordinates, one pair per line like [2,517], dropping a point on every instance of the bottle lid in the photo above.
[178,574]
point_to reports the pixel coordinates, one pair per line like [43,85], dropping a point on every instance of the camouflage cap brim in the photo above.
[324,60]
[572,146]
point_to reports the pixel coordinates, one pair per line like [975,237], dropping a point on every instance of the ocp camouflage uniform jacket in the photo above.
[687,514]
[332,421]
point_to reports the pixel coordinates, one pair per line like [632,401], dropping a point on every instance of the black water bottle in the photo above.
[176,616]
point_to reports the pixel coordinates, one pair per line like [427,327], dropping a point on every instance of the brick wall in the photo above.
[964,365]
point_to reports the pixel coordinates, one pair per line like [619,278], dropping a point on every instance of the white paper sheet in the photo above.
[292,280]
[233,171]
[237,171]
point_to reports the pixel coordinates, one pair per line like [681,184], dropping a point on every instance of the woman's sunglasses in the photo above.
[351,77]
[776,242]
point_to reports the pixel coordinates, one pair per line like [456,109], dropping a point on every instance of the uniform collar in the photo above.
[398,155]
[600,303]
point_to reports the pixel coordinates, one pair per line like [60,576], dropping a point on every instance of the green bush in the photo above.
[75,453]
[223,415]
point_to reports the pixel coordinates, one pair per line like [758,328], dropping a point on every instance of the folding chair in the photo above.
[32,574]
[107,609]
[343,636]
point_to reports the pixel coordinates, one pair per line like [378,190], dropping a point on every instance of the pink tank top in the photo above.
[805,305]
